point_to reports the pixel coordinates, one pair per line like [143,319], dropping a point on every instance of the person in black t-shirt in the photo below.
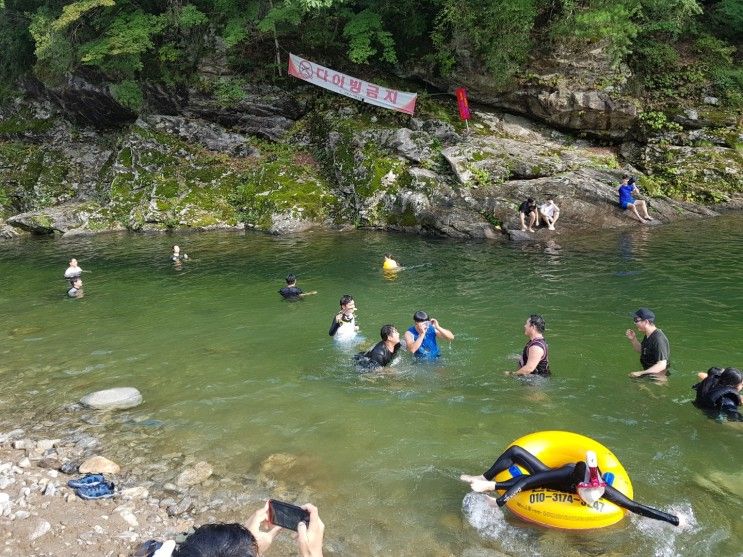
[655,351]
[291,291]
[528,209]
[384,351]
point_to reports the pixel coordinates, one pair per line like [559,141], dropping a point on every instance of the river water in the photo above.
[232,374]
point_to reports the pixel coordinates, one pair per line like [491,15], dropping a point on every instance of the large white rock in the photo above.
[120,397]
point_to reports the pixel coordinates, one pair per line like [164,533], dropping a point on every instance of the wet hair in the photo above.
[420,316]
[388,255]
[632,180]
[386,331]
[345,299]
[714,371]
[291,278]
[730,377]
[625,177]
[537,321]
[219,540]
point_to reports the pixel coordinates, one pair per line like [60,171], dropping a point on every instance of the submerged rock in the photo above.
[194,475]
[99,465]
[109,399]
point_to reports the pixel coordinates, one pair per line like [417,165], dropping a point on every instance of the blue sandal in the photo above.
[87,480]
[102,490]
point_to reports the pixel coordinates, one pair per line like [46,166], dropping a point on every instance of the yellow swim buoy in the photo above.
[389,264]
[566,510]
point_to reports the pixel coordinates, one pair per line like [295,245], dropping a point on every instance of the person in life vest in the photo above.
[583,478]
[718,392]
[534,359]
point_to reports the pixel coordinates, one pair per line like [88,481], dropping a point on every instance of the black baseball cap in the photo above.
[645,313]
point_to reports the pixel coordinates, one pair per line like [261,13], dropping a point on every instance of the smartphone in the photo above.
[286,515]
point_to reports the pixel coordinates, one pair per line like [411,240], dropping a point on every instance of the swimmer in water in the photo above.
[583,478]
[291,291]
[420,339]
[389,263]
[384,352]
[344,322]
[76,289]
[718,393]
[176,255]
[73,271]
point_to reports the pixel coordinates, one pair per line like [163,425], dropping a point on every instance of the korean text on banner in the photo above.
[351,86]
[464,107]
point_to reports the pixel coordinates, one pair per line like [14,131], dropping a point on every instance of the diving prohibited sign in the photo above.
[350,86]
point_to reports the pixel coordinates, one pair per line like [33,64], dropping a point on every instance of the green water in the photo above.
[234,374]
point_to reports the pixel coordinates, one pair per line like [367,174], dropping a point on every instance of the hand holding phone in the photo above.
[286,515]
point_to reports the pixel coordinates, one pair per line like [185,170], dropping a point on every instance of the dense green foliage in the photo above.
[673,45]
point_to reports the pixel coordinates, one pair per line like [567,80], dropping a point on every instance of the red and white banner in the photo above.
[350,86]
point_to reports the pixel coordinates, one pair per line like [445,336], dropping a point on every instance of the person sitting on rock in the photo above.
[550,213]
[626,190]
[229,540]
[528,209]
[76,288]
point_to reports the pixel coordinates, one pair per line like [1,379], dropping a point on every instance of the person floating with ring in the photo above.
[583,478]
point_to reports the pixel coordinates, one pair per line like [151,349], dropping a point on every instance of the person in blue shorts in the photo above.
[626,200]
[420,339]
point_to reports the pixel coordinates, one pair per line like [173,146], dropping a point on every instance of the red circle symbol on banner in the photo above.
[305,68]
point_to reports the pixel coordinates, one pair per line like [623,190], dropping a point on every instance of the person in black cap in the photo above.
[655,352]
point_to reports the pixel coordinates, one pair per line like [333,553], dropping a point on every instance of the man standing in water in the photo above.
[420,339]
[654,349]
[534,359]
[343,326]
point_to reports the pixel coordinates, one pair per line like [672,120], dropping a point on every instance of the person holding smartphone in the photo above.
[420,339]
[226,540]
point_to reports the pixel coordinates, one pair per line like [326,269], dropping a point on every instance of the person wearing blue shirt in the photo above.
[420,339]
[627,201]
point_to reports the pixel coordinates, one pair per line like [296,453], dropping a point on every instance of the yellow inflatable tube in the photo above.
[566,510]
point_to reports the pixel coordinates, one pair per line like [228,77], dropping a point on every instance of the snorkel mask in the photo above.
[592,489]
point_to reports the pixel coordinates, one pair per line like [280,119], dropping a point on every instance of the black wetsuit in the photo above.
[718,400]
[291,292]
[565,479]
[379,356]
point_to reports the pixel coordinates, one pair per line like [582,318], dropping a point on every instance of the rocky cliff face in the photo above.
[74,161]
